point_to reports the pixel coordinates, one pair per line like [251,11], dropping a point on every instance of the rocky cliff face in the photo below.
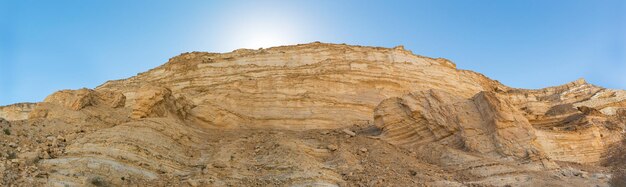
[295,87]
[18,111]
[314,115]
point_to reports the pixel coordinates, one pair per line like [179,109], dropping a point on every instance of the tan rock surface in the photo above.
[314,115]
[18,111]
[527,126]
[152,101]
[296,86]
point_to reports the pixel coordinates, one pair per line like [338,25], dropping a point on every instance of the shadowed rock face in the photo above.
[313,114]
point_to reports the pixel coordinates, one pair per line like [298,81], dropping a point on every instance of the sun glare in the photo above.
[261,29]
[264,33]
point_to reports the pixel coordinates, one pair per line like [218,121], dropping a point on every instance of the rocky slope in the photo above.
[314,115]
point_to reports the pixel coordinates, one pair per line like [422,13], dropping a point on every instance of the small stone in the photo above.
[193,183]
[219,165]
[576,173]
[363,150]
[332,147]
[13,145]
[349,132]
[584,175]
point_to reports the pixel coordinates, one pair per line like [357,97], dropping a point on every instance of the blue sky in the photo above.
[46,46]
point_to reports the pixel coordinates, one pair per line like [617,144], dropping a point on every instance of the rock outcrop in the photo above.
[79,99]
[18,111]
[485,136]
[313,115]
[295,86]
[483,124]
[152,101]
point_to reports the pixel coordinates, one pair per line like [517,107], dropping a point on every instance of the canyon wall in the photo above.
[313,115]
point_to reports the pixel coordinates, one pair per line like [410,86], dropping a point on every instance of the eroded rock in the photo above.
[301,116]
[152,101]
[79,99]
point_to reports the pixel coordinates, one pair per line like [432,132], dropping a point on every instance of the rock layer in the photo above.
[295,86]
[18,111]
[492,122]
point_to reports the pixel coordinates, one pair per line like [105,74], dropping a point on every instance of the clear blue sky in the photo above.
[51,45]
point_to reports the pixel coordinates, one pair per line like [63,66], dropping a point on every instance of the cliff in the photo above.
[314,115]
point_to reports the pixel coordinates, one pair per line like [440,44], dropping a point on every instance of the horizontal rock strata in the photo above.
[313,115]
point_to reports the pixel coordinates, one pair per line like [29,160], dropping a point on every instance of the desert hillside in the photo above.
[315,115]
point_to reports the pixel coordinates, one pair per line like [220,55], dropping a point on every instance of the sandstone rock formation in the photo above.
[329,86]
[79,99]
[314,115]
[18,111]
[158,102]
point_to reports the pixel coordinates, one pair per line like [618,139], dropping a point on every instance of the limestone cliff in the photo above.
[296,86]
[18,111]
[313,115]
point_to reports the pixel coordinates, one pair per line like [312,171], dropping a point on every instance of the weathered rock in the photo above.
[29,157]
[279,116]
[348,132]
[497,126]
[79,99]
[219,165]
[193,183]
[484,124]
[327,85]
[152,101]
[17,111]
[332,147]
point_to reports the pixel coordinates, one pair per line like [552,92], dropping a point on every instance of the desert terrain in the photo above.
[315,114]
